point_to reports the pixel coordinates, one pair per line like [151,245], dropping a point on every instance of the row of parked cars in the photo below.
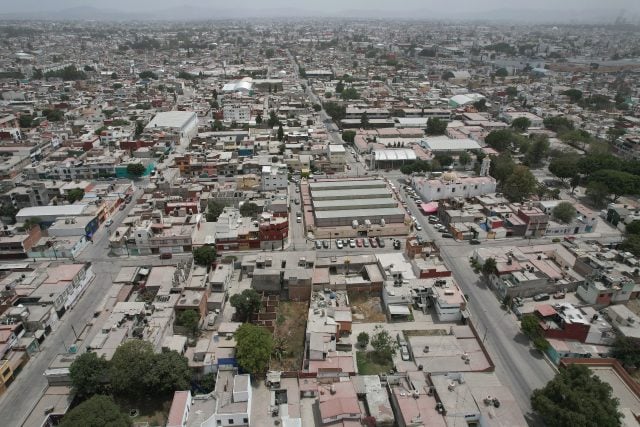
[374,242]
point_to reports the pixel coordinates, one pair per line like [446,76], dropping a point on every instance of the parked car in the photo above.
[396,244]
[166,255]
[418,227]
[352,243]
[365,243]
[122,206]
[318,244]
[380,242]
[447,235]
[339,244]
[325,244]
[374,243]
[541,297]
[474,241]
[108,222]
[559,295]
[359,243]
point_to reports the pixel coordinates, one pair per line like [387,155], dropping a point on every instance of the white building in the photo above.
[450,185]
[236,113]
[182,123]
[510,116]
[337,156]
[244,86]
[273,178]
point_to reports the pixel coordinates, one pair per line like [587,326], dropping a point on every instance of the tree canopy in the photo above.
[520,184]
[89,375]
[246,303]
[618,183]
[435,126]
[521,124]
[98,411]
[490,266]
[75,194]
[190,320]
[564,212]
[576,397]
[558,124]
[384,346]
[136,169]
[250,209]
[130,375]
[204,255]
[349,135]
[253,348]
[565,166]
[214,209]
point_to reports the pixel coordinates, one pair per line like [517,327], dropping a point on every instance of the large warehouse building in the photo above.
[364,207]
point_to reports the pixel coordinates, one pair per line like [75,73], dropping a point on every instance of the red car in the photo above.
[374,243]
[359,243]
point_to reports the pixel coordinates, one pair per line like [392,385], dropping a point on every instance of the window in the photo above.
[230,421]
[219,422]
[475,187]
[453,190]
[245,420]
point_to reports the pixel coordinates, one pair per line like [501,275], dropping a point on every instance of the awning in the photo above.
[399,310]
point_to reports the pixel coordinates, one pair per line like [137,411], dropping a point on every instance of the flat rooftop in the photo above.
[359,213]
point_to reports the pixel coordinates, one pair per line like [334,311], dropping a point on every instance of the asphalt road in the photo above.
[27,389]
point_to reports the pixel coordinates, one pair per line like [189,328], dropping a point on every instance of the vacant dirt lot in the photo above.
[366,309]
[289,337]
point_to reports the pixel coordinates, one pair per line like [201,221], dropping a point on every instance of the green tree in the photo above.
[565,212]
[246,303]
[129,373]
[349,136]
[53,115]
[521,124]
[339,87]
[29,223]
[633,227]
[631,244]
[136,170]
[464,158]
[148,75]
[614,133]
[490,266]
[335,111]
[89,375]
[364,121]
[94,412]
[511,91]
[502,167]
[217,126]
[575,397]
[273,119]
[214,209]
[350,93]
[204,255]
[558,124]
[363,339]
[565,166]
[139,128]
[597,193]
[502,72]
[574,95]
[250,209]
[436,126]
[190,320]
[317,108]
[619,183]
[626,350]
[384,346]
[500,140]
[280,133]
[520,184]
[254,345]
[25,120]
[169,373]
[537,151]
[75,195]
[480,105]
[577,138]
[530,325]
[259,119]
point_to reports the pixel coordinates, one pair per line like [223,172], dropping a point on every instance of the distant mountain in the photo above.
[196,13]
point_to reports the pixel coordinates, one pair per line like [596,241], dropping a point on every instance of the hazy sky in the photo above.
[434,5]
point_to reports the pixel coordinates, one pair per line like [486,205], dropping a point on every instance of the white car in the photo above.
[108,222]
[339,244]
[352,243]
[418,227]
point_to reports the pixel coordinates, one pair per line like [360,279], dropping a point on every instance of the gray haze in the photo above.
[551,10]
